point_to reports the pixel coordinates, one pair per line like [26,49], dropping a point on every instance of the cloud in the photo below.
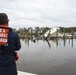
[71,4]
[31,13]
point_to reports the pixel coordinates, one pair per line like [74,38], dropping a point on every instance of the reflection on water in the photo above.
[48,57]
[55,42]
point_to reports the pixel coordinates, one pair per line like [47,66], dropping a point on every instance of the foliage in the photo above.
[68,30]
[24,32]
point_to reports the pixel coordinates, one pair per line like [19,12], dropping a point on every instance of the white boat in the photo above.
[25,73]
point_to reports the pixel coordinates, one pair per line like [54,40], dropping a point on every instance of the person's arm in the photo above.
[18,46]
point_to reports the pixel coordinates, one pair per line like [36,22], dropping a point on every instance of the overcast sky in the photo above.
[42,13]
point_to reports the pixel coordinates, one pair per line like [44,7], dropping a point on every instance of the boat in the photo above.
[25,73]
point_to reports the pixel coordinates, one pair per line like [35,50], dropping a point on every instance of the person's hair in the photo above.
[3,18]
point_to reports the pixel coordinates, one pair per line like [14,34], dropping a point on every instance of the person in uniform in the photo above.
[9,45]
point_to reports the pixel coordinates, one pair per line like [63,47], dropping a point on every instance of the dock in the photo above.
[25,73]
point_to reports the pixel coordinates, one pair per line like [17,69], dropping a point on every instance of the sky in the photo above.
[41,13]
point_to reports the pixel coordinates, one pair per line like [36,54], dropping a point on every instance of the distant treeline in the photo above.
[68,29]
[44,29]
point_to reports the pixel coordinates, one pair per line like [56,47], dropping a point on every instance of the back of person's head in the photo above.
[3,18]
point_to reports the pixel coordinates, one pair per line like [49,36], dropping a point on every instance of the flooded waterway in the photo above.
[53,57]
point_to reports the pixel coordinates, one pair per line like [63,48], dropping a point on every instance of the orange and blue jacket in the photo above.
[9,43]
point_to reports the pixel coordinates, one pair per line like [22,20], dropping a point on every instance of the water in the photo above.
[53,57]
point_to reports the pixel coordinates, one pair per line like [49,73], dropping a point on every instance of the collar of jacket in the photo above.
[6,27]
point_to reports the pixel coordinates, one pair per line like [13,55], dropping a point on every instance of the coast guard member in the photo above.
[9,44]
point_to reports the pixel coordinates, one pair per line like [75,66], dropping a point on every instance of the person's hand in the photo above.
[16,56]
